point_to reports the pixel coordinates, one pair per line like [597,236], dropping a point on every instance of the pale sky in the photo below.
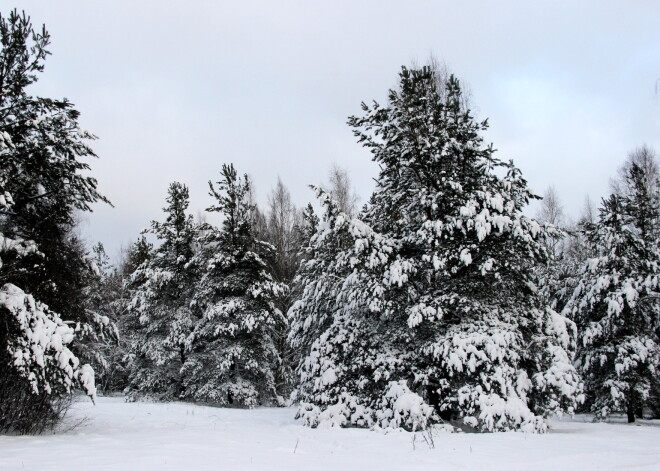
[174,89]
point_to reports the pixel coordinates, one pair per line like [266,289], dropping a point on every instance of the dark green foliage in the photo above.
[161,292]
[233,356]
[43,184]
[615,302]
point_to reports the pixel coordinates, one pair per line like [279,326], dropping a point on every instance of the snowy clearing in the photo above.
[115,435]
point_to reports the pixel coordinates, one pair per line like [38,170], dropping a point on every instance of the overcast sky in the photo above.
[174,89]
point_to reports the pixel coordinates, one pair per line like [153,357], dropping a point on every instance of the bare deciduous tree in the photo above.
[645,158]
[339,186]
[588,215]
[258,218]
[282,218]
[552,212]
[442,74]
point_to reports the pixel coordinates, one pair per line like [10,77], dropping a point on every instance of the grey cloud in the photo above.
[173,89]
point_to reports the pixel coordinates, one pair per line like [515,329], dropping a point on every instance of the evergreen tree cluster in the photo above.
[204,305]
[612,294]
[439,303]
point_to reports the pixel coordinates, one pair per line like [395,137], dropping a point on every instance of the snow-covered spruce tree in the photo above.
[558,280]
[429,309]
[643,201]
[306,229]
[319,278]
[615,305]
[232,356]
[638,181]
[128,324]
[162,290]
[98,340]
[41,185]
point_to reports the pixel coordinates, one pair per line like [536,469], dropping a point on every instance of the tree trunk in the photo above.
[631,413]
[182,355]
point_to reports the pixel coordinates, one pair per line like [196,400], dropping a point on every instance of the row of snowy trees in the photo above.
[205,309]
[204,302]
[438,302]
[605,276]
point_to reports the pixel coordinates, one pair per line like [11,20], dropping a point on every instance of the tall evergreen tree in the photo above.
[429,305]
[43,270]
[615,303]
[43,168]
[232,357]
[163,287]
[128,324]
[643,202]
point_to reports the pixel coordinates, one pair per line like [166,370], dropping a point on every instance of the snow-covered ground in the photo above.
[114,435]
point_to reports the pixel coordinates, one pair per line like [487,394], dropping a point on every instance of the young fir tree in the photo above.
[319,277]
[305,230]
[232,355]
[98,339]
[162,290]
[426,306]
[643,201]
[122,289]
[138,253]
[615,305]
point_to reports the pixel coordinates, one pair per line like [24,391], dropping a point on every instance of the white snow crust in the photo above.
[115,435]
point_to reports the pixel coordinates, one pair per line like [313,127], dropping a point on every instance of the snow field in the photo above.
[115,435]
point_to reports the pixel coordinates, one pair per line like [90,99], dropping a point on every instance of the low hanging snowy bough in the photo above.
[39,371]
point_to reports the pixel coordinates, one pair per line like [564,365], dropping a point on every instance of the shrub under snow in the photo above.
[37,345]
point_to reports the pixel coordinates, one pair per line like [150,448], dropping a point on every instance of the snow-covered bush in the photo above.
[38,372]
[402,408]
[36,341]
